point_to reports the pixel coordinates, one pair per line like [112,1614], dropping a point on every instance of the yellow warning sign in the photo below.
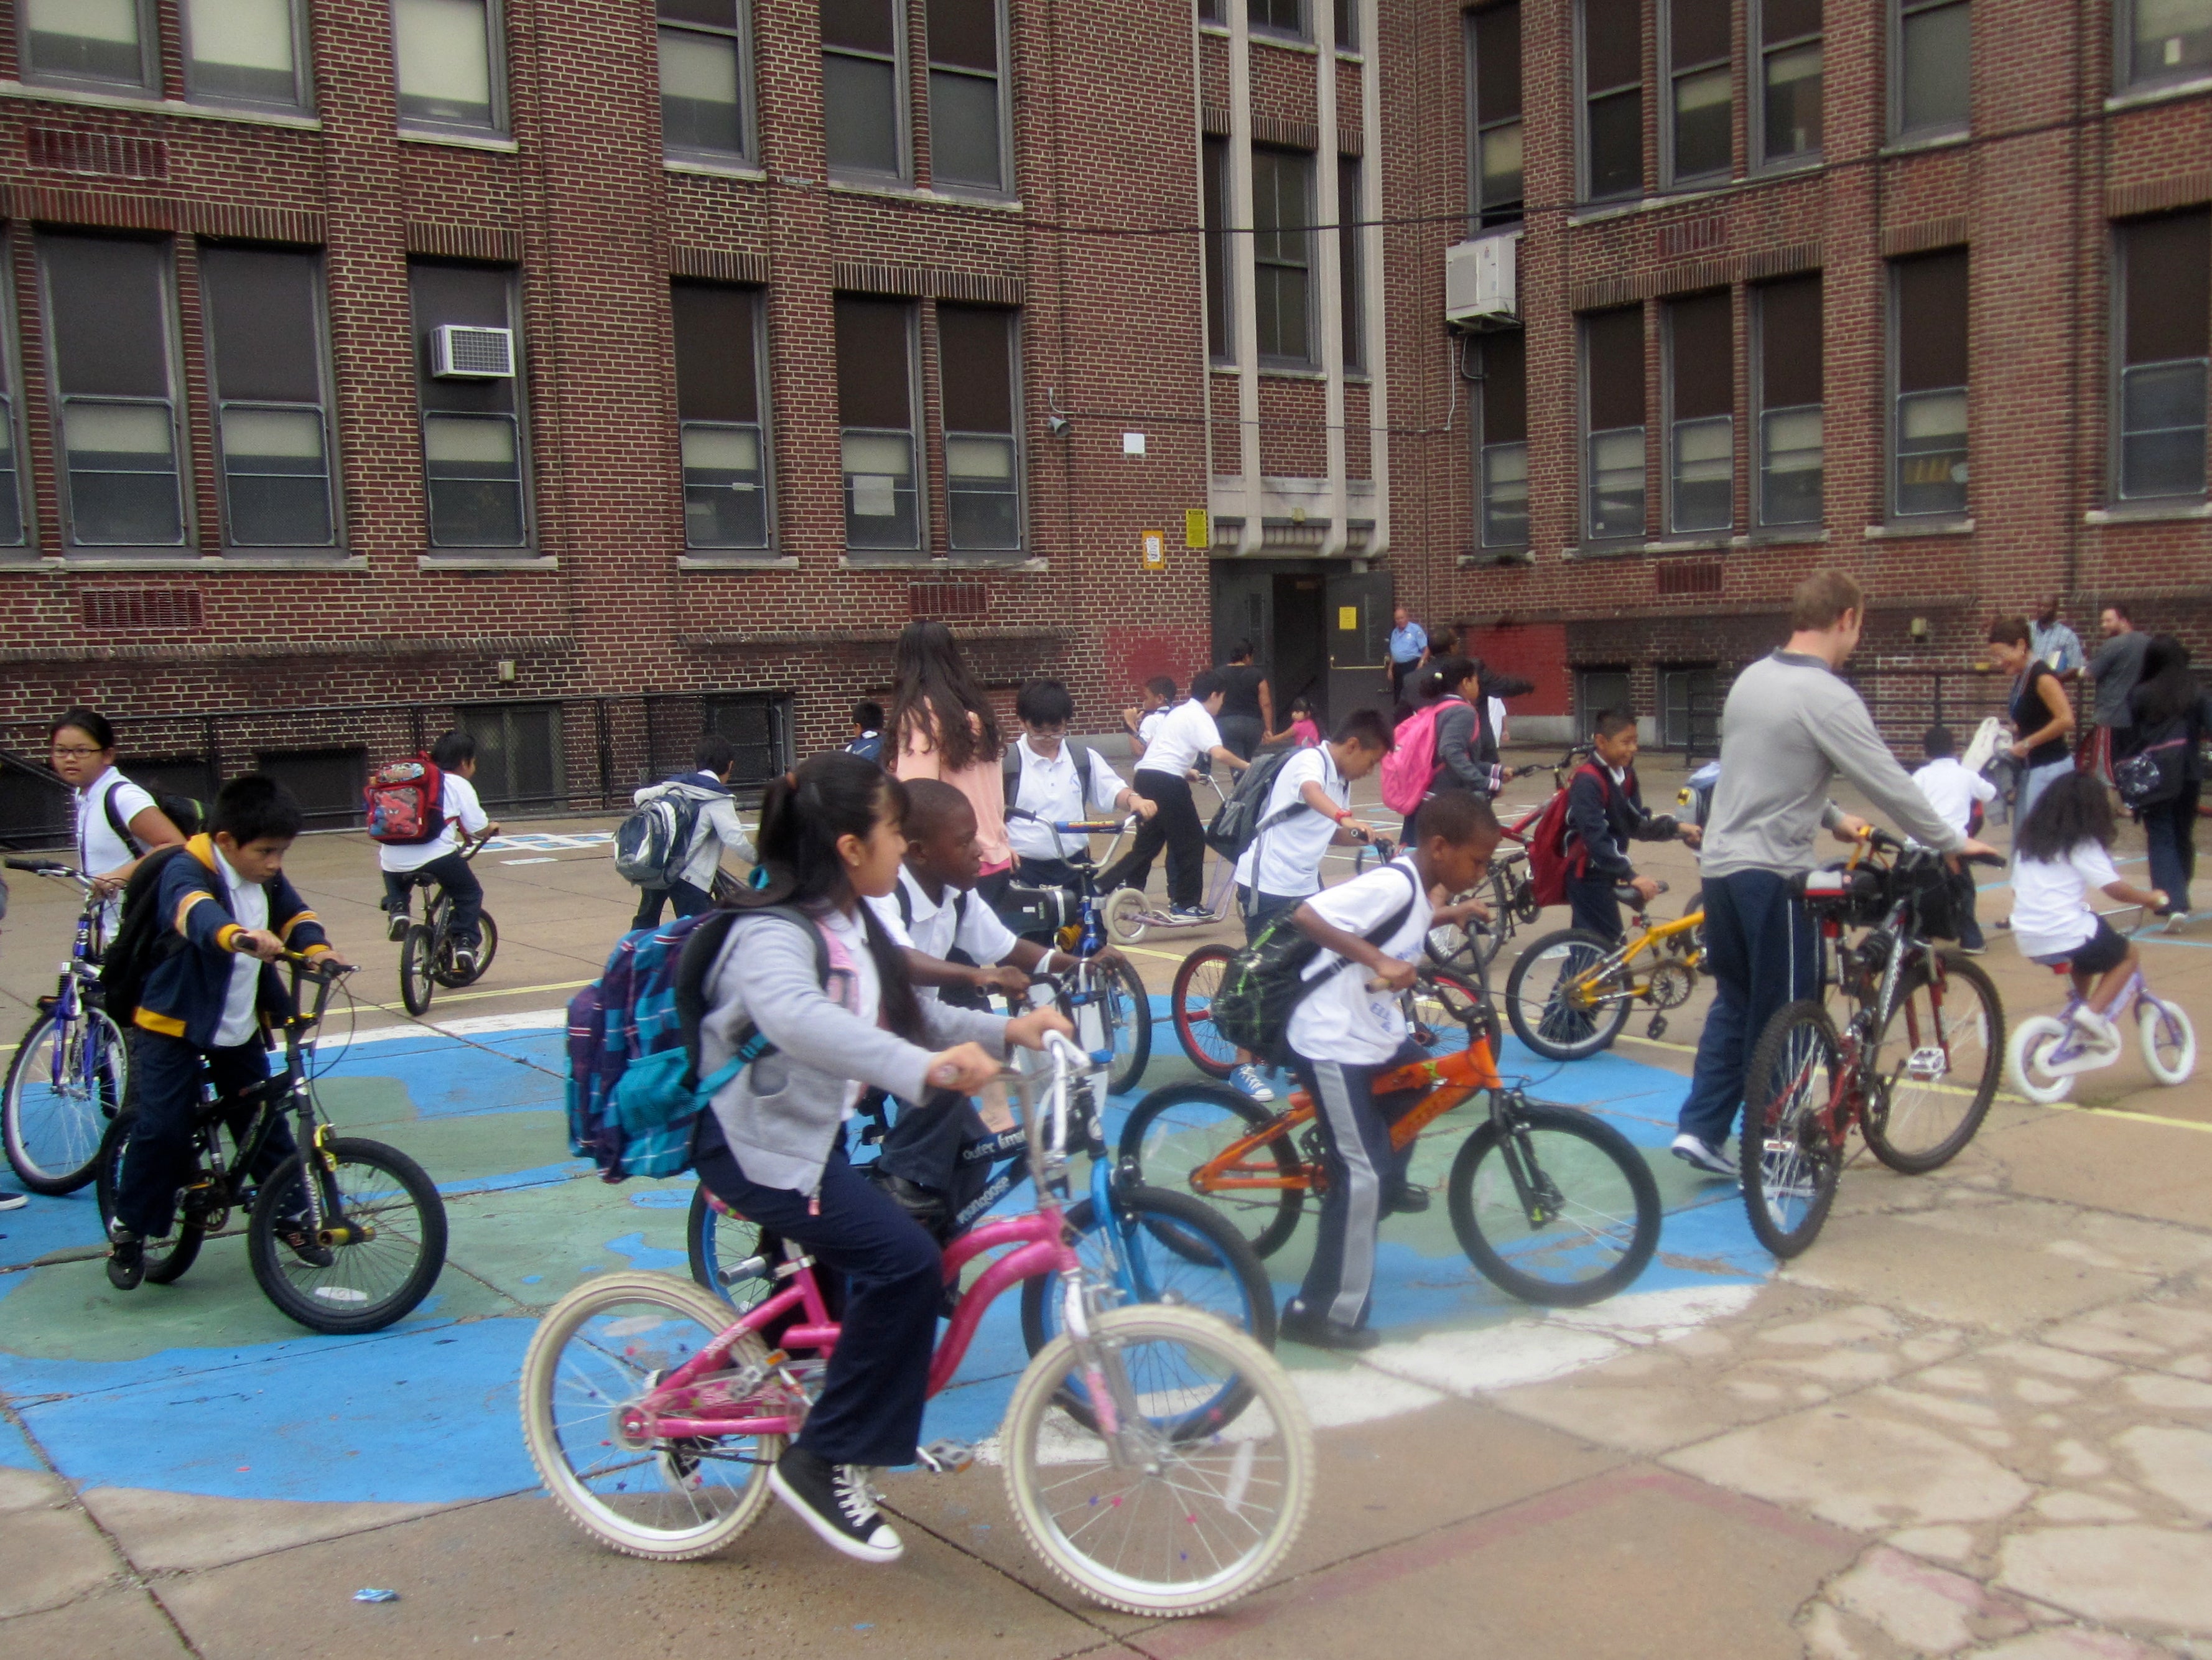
[1154,544]
[1197,533]
[1347,619]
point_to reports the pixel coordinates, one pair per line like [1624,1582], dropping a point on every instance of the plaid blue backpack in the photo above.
[635,1093]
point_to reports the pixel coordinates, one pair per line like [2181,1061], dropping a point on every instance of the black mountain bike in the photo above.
[353,1249]
[427,955]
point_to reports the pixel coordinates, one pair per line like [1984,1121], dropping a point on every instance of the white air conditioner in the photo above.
[462,351]
[1481,285]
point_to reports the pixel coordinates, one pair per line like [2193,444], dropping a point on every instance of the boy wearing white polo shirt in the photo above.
[1164,778]
[1050,780]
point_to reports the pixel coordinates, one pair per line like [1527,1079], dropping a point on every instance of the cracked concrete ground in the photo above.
[1974,1420]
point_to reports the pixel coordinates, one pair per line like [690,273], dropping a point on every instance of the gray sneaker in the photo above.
[1702,1155]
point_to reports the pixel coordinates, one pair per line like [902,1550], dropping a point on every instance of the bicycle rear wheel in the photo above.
[167,1257]
[1937,1061]
[1550,997]
[596,1353]
[63,1087]
[1174,1132]
[487,948]
[1191,1004]
[724,1247]
[418,969]
[1170,1526]
[1788,1158]
[1555,1206]
[383,1243]
[1122,912]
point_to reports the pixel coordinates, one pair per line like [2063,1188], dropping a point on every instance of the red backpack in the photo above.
[406,801]
[1553,855]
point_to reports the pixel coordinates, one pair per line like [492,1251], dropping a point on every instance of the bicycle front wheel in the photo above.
[1158,1524]
[418,969]
[1191,1004]
[2169,1041]
[1937,1063]
[1174,1138]
[1125,1008]
[1556,1208]
[63,1087]
[727,1254]
[381,1248]
[596,1354]
[1452,998]
[1789,1156]
[1553,997]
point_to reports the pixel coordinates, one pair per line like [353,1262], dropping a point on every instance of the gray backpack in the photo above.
[651,845]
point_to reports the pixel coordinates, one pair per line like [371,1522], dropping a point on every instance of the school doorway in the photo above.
[1312,626]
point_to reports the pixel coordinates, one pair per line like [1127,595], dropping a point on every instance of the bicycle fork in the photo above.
[1131,1441]
[1541,1202]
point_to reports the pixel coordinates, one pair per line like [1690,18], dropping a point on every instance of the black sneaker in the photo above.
[1317,1331]
[126,1258]
[834,1500]
[395,926]
[1406,1199]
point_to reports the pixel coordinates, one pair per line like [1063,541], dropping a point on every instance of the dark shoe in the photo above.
[1190,913]
[395,926]
[464,962]
[292,1230]
[1317,1331]
[126,1258]
[834,1500]
[1406,1199]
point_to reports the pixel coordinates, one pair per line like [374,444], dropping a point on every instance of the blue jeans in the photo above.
[2036,780]
[165,1090]
[2170,832]
[1763,949]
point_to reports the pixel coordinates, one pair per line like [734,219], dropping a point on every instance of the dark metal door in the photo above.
[1358,617]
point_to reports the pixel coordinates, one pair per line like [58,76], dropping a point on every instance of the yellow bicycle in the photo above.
[1571,992]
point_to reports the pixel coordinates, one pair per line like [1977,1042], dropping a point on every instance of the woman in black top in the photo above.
[2170,713]
[2042,715]
[1248,708]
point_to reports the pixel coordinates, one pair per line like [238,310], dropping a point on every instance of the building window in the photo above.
[1493,45]
[1347,25]
[717,415]
[1788,80]
[1931,83]
[975,359]
[1700,415]
[1612,405]
[1277,17]
[875,410]
[15,529]
[1928,357]
[1788,330]
[1214,162]
[110,331]
[860,86]
[1701,125]
[1282,254]
[1351,211]
[103,43]
[967,119]
[244,51]
[473,439]
[1502,439]
[268,366]
[447,51]
[1209,11]
[520,760]
[2164,39]
[1612,99]
[2165,316]
[703,55]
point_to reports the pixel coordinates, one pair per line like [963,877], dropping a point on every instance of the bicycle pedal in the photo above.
[946,1458]
[1657,1028]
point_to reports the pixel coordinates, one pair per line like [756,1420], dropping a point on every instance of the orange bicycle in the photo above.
[1555,1206]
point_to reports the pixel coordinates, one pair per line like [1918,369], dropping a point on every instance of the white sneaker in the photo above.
[12,1200]
[1702,1155]
[2100,1033]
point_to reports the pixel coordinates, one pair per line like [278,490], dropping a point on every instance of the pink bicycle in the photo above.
[1157,1458]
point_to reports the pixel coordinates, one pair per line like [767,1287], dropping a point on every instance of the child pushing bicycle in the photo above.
[222,911]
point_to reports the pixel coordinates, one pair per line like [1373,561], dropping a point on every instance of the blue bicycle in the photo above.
[66,1082]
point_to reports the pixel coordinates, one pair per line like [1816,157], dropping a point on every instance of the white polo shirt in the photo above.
[1051,790]
[1340,1019]
[975,927]
[249,909]
[463,815]
[1287,859]
[1187,732]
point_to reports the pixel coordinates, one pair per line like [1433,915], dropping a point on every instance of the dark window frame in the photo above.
[1585,98]
[325,410]
[1274,31]
[496,71]
[303,101]
[148,84]
[901,61]
[1760,51]
[2118,369]
[1481,213]
[747,153]
[1217,192]
[916,434]
[1485,448]
[13,396]
[2125,77]
[1344,15]
[1671,177]
[1590,434]
[526,547]
[1761,453]
[1351,264]
[761,428]
[1310,357]
[1895,395]
[1899,132]
[1007,188]
[1671,422]
[1013,436]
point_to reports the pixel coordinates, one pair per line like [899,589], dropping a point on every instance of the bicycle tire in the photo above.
[1889,1130]
[602,1507]
[2162,1027]
[1042,1454]
[1180,1234]
[1266,1219]
[75,1127]
[717,1240]
[165,1261]
[417,969]
[487,947]
[324,1297]
[1786,1159]
[1455,991]
[1544,1239]
[1547,1026]
[1189,1004]
[2031,1040]
[1120,915]
[1127,1008]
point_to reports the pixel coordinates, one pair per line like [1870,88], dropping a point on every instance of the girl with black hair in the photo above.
[117,823]
[773,1147]
[942,725]
[2062,850]
[2171,714]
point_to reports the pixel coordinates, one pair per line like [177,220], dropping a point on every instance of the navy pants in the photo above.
[462,890]
[1594,907]
[1763,949]
[1363,1168]
[165,1089]
[870,1412]
[2170,835]
[1176,827]
[687,898]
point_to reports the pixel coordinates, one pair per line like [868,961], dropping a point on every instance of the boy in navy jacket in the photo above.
[225,895]
[1605,812]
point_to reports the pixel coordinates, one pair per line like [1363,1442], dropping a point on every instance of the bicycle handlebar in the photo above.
[52,867]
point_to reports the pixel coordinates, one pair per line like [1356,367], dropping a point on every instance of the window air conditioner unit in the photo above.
[1481,289]
[461,351]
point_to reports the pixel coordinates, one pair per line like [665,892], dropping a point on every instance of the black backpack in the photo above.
[1009,770]
[1237,823]
[1265,982]
[186,814]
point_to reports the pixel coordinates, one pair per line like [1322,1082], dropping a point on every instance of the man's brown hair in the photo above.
[1822,598]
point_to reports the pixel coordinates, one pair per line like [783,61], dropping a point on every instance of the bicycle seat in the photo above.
[2062,967]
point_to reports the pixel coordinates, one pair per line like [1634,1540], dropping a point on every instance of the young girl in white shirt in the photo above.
[2062,850]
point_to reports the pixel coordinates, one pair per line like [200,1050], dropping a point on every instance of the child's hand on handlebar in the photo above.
[1391,975]
[1028,1031]
[1468,910]
[1647,890]
[258,942]
[1005,978]
[1852,828]
[964,1069]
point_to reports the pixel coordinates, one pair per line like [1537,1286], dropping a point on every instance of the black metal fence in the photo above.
[535,757]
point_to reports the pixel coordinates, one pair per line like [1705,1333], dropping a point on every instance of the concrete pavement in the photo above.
[1975,1417]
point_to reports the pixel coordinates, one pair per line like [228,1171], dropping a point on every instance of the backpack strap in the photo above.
[115,820]
[905,904]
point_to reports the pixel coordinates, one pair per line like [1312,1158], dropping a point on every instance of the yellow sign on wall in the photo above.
[1197,532]
[1347,619]
[1154,544]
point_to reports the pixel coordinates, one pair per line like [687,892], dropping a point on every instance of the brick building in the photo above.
[586,372]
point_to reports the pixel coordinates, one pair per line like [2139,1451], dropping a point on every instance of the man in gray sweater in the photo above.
[1791,725]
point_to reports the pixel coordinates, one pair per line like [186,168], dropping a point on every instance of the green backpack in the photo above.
[1265,982]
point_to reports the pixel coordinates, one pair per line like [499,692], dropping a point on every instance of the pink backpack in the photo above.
[1412,762]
